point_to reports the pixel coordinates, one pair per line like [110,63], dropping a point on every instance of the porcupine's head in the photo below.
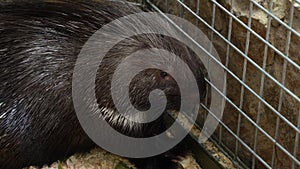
[145,81]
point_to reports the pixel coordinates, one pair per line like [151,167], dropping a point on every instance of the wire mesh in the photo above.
[258,41]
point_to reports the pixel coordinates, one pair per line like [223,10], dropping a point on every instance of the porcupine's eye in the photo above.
[165,76]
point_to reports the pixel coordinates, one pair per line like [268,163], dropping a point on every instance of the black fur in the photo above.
[39,45]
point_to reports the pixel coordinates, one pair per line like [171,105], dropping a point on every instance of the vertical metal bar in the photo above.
[167,6]
[211,45]
[212,25]
[227,63]
[181,10]
[197,24]
[245,60]
[197,12]
[262,82]
[210,50]
[225,76]
[287,47]
[245,63]
[227,58]
[296,146]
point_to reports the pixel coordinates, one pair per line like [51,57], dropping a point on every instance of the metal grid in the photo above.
[289,64]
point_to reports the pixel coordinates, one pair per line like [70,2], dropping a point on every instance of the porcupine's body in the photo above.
[39,45]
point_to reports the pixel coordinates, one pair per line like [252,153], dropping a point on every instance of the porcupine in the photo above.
[39,45]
